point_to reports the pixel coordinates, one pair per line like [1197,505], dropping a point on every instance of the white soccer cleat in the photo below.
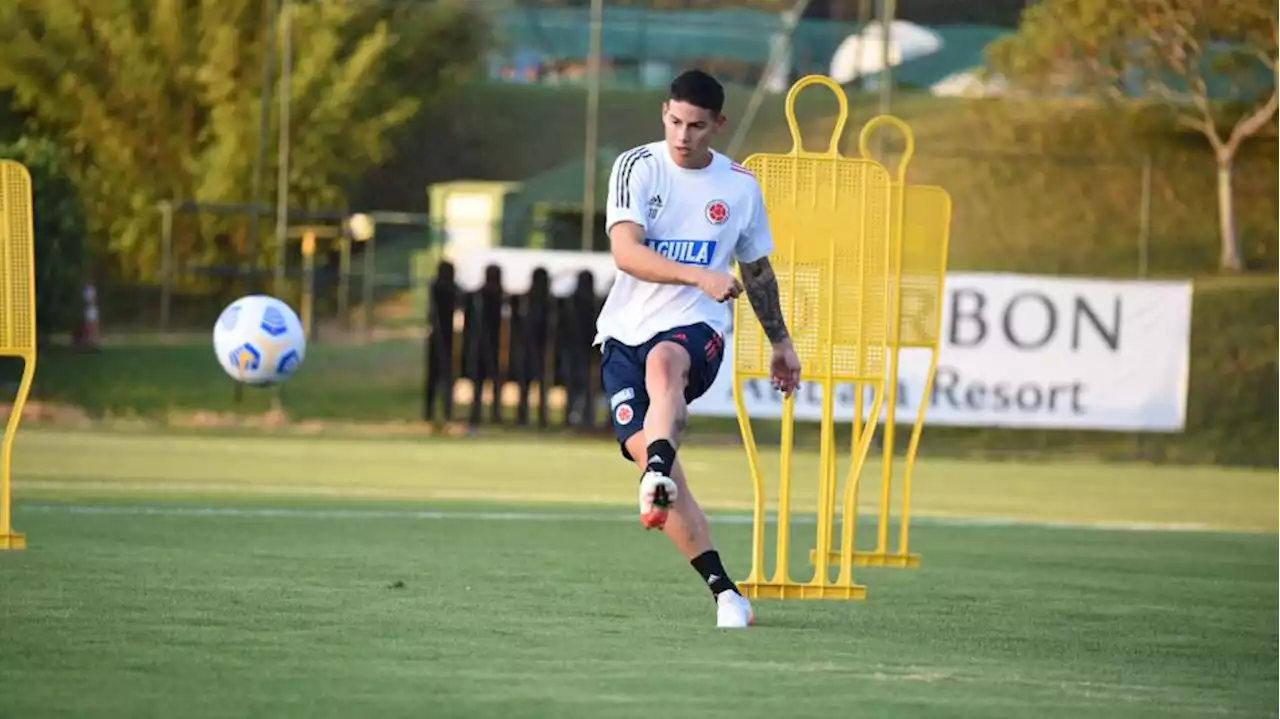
[657,495]
[733,611]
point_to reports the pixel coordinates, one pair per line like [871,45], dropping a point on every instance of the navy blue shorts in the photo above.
[622,372]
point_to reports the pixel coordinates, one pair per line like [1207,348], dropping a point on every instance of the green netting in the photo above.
[644,35]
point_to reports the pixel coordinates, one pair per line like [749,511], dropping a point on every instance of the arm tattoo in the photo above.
[762,289]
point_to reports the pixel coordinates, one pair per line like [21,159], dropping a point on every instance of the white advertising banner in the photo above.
[1027,351]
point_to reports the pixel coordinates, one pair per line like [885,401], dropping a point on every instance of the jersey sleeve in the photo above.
[756,240]
[628,189]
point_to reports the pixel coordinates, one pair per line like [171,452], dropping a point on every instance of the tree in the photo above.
[1212,62]
[59,221]
[160,99]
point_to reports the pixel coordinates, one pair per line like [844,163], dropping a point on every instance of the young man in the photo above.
[678,212]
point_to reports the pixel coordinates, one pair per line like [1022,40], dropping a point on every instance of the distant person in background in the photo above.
[678,213]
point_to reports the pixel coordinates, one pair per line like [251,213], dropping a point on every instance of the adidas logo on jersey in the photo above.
[655,206]
[687,252]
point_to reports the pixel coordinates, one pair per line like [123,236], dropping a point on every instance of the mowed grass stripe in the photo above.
[51,465]
[499,514]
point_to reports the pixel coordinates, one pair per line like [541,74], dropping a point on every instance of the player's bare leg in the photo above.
[665,499]
[666,372]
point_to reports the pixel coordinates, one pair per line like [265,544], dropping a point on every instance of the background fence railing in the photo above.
[1060,215]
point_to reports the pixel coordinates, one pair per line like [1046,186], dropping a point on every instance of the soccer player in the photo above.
[678,212]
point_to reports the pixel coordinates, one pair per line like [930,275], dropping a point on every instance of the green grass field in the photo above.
[341,576]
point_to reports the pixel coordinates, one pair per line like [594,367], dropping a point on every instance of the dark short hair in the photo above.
[699,89]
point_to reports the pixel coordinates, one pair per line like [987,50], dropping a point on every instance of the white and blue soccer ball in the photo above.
[259,340]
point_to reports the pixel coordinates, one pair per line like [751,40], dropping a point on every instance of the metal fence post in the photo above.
[368,277]
[282,171]
[344,279]
[166,262]
[1144,219]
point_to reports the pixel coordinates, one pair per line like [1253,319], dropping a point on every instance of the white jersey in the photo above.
[705,217]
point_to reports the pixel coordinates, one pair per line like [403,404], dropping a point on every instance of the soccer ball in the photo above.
[259,340]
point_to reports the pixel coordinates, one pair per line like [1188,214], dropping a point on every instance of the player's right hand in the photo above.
[720,286]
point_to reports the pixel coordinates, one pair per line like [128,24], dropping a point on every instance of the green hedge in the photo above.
[60,233]
[1232,413]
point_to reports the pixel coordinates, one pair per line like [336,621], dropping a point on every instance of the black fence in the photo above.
[521,341]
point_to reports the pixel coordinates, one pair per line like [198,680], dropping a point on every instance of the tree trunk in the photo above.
[1229,254]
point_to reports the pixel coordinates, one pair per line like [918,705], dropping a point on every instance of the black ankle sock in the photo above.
[712,571]
[662,457]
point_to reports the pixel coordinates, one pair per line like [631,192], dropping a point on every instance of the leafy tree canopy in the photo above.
[160,99]
[1211,62]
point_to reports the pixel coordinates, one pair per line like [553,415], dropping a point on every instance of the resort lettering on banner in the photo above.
[1029,351]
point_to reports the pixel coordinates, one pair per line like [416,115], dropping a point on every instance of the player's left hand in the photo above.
[784,369]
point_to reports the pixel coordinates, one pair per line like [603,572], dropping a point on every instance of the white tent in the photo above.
[863,54]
